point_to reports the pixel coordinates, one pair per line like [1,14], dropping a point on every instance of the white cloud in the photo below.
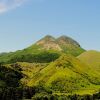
[6,5]
[2,7]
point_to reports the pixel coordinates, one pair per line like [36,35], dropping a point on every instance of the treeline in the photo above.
[46,96]
[18,93]
[42,57]
[30,93]
[23,93]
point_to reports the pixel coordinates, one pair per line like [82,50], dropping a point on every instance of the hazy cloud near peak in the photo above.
[6,5]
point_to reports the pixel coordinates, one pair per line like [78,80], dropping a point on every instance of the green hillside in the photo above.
[67,75]
[91,58]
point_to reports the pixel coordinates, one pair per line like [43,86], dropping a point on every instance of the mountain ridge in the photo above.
[48,44]
[51,42]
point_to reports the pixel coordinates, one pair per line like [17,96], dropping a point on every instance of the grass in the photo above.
[91,58]
[63,76]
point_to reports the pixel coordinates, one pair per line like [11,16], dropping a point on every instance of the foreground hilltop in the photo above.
[47,46]
[91,58]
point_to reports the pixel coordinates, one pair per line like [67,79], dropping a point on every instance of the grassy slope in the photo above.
[26,54]
[29,70]
[34,51]
[67,74]
[91,58]
[8,56]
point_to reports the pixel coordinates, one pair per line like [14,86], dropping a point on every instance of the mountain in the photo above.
[67,41]
[51,43]
[46,49]
[48,43]
[69,45]
[50,69]
[91,58]
[64,44]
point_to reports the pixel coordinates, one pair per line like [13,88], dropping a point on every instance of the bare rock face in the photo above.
[58,44]
[49,43]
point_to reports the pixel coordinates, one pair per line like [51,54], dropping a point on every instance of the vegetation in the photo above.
[67,74]
[50,69]
[91,58]
[45,50]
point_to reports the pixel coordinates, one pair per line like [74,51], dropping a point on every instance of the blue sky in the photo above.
[22,22]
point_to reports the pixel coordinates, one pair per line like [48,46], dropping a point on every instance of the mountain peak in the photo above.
[67,41]
[63,43]
[49,37]
[48,43]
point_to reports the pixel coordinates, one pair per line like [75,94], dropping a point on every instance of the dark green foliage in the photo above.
[45,96]
[96,96]
[10,76]
[39,93]
[42,57]
[18,93]
[28,92]
[42,96]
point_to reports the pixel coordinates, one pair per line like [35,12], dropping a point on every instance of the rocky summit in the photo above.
[62,43]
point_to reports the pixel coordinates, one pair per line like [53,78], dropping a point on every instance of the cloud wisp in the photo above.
[6,5]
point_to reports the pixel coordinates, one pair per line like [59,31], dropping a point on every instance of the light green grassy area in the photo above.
[66,75]
[91,58]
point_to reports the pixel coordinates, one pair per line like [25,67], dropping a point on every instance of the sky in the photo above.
[23,22]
